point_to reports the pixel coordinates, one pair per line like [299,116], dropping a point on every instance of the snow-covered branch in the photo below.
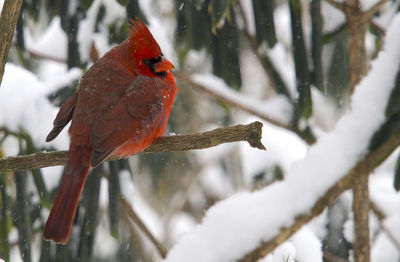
[363,168]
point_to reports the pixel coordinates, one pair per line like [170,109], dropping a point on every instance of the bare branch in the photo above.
[8,21]
[250,133]
[140,224]
[362,168]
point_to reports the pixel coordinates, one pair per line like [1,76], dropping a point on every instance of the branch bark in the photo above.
[8,21]
[362,168]
[250,133]
[361,245]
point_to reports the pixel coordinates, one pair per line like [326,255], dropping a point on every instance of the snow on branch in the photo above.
[250,133]
[248,224]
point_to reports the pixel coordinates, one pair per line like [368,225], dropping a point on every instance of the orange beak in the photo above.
[163,66]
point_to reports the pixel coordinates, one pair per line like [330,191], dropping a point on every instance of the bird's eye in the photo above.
[151,62]
[157,59]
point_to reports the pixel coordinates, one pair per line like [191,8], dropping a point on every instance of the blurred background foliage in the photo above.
[170,183]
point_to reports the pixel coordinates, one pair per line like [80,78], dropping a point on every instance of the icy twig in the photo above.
[250,133]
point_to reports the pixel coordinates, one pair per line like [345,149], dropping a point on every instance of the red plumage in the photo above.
[122,105]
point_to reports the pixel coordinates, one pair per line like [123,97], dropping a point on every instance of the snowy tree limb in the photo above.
[250,133]
[362,168]
[8,21]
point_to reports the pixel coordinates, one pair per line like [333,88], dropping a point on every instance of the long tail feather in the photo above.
[59,223]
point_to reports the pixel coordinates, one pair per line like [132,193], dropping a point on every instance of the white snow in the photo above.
[383,249]
[285,252]
[283,149]
[367,4]
[86,31]
[302,247]
[283,62]
[24,104]
[333,18]
[307,245]
[249,15]
[180,224]
[233,227]
[52,43]
[216,181]
[387,14]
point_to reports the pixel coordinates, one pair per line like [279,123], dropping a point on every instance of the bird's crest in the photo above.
[142,37]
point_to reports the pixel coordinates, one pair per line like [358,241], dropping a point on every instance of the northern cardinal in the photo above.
[122,105]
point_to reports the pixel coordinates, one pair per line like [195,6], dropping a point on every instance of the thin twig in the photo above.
[363,167]
[140,224]
[250,133]
[8,21]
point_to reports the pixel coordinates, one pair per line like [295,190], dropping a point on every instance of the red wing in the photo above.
[134,114]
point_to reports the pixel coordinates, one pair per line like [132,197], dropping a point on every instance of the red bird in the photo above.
[122,105]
